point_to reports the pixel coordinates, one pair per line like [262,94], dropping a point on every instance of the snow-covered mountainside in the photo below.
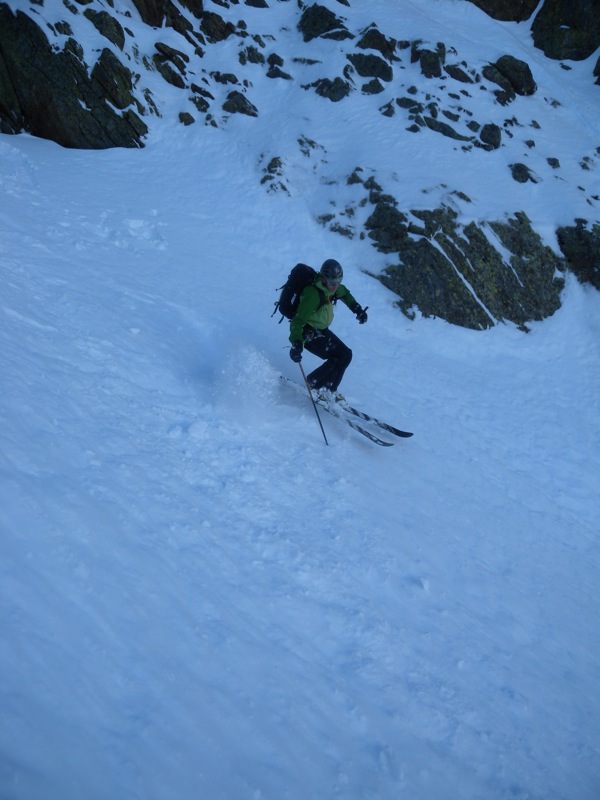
[199,598]
[445,137]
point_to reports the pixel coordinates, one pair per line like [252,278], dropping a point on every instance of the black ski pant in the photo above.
[337,355]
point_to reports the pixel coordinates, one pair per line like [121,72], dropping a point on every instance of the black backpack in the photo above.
[299,278]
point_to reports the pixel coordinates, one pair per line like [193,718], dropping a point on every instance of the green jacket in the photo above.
[311,313]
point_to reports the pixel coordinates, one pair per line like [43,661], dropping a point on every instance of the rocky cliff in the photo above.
[94,74]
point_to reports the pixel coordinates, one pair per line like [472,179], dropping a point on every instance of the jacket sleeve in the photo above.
[309,303]
[346,297]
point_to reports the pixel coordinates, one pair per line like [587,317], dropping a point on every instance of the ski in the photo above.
[337,410]
[334,411]
[368,418]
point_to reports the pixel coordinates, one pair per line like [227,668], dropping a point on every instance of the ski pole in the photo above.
[312,400]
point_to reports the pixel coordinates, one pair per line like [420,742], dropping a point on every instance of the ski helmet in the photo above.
[331,271]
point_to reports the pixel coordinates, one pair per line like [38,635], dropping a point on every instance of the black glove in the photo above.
[296,352]
[361,314]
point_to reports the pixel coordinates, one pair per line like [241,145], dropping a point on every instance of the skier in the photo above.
[309,327]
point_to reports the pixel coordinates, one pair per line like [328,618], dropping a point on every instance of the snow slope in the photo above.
[200,599]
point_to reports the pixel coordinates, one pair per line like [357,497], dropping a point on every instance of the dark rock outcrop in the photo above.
[215,28]
[491,136]
[513,76]
[431,61]
[113,79]
[507,10]
[518,74]
[152,12]
[580,246]
[157,12]
[334,90]
[237,103]
[567,29]
[373,39]
[318,20]
[37,96]
[521,173]
[171,64]
[455,273]
[107,26]
[562,29]
[458,73]
[445,129]
[371,66]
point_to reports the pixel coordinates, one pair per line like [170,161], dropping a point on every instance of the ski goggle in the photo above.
[332,283]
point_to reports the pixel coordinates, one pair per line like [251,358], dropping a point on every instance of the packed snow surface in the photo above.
[199,599]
